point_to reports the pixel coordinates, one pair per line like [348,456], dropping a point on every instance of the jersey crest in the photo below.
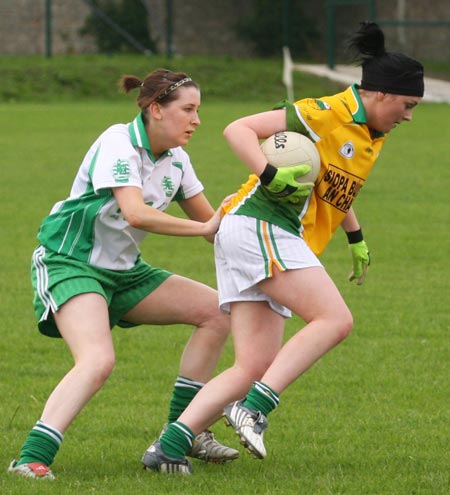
[121,171]
[347,150]
[167,186]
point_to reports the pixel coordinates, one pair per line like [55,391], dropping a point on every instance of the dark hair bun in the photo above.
[368,41]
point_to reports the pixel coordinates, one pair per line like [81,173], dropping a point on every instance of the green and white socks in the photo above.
[178,438]
[184,391]
[41,445]
[262,398]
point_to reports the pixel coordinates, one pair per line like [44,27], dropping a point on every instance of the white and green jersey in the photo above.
[89,225]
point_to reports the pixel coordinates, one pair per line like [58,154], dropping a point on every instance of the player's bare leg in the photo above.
[181,300]
[257,335]
[83,322]
[184,301]
[311,294]
[232,384]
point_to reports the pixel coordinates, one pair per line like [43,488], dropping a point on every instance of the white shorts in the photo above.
[246,251]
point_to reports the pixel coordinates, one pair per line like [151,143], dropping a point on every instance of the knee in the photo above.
[106,367]
[344,325]
[252,368]
[98,368]
[219,324]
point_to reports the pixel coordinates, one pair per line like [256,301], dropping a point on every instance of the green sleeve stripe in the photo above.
[293,123]
[93,162]
[179,195]
[132,134]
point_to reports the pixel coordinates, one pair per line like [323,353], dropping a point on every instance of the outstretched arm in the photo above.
[142,216]
[198,208]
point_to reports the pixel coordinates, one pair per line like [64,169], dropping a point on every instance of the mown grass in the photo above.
[370,418]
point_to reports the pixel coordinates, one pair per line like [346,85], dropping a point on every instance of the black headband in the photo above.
[393,73]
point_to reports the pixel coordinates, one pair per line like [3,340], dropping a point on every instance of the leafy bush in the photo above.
[119,26]
[271,24]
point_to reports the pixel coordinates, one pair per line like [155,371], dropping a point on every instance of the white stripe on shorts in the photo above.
[42,282]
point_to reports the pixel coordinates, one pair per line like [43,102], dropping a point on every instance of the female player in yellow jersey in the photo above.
[268,242]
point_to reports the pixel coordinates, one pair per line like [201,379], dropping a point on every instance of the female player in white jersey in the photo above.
[274,228]
[88,275]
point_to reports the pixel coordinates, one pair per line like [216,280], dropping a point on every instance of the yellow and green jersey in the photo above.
[348,150]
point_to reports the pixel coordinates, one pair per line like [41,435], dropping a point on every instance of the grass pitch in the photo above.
[371,417]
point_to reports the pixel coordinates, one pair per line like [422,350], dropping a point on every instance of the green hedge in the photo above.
[39,79]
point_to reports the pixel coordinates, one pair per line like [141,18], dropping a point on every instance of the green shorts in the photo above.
[57,278]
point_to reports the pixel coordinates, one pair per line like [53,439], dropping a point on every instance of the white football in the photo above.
[286,149]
